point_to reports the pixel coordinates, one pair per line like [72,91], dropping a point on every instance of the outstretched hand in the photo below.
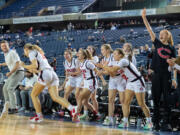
[171,62]
[104,63]
[144,12]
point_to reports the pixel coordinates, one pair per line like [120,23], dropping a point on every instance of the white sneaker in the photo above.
[107,122]
[73,111]
[5,110]
[36,119]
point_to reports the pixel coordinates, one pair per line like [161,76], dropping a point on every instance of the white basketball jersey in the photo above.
[129,69]
[87,69]
[71,66]
[41,60]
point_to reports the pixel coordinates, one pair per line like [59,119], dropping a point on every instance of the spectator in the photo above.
[122,40]
[113,27]
[74,52]
[96,24]
[24,90]
[142,50]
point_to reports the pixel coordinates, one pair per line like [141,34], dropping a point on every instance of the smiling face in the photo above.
[117,56]
[80,55]
[104,51]
[163,36]
[126,48]
[67,55]
[90,50]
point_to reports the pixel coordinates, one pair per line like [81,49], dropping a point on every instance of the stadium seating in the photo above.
[54,43]
[32,7]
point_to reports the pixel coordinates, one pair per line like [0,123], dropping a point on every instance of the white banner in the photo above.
[116,14]
[51,8]
[38,19]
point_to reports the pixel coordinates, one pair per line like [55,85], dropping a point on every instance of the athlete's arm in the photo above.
[103,80]
[33,65]
[151,33]
[78,72]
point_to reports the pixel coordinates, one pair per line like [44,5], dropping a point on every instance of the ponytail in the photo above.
[130,53]
[86,54]
[29,46]
[120,51]
[170,38]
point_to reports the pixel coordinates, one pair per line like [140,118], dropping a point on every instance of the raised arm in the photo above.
[151,33]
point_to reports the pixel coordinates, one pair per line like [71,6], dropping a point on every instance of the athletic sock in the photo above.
[70,108]
[85,112]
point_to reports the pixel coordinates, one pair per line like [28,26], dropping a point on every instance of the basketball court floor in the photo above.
[19,125]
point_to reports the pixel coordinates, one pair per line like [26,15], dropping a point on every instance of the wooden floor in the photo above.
[19,125]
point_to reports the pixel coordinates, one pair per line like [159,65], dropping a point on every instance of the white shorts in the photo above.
[136,86]
[48,77]
[117,84]
[91,84]
[74,82]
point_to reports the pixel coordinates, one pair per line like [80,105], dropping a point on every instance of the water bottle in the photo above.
[138,125]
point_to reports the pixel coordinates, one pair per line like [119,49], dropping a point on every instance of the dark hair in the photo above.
[86,54]
[94,50]
[31,74]
[120,51]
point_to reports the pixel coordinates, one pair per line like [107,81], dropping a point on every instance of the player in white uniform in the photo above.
[89,71]
[117,83]
[135,83]
[94,59]
[47,77]
[73,76]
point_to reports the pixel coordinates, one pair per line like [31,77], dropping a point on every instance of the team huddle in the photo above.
[82,74]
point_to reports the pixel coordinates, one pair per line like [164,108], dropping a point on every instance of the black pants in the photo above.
[161,85]
[178,88]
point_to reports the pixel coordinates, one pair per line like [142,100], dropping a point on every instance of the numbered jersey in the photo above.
[71,66]
[87,69]
[120,73]
[41,60]
[133,59]
[130,69]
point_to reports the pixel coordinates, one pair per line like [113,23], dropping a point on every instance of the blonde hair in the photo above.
[29,46]
[170,37]
[107,47]
[68,51]
[86,54]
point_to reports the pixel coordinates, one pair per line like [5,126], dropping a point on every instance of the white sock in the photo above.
[39,114]
[111,118]
[125,119]
[85,112]
[70,108]
[148,119]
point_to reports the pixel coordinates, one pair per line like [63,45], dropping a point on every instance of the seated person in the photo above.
[23,92]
